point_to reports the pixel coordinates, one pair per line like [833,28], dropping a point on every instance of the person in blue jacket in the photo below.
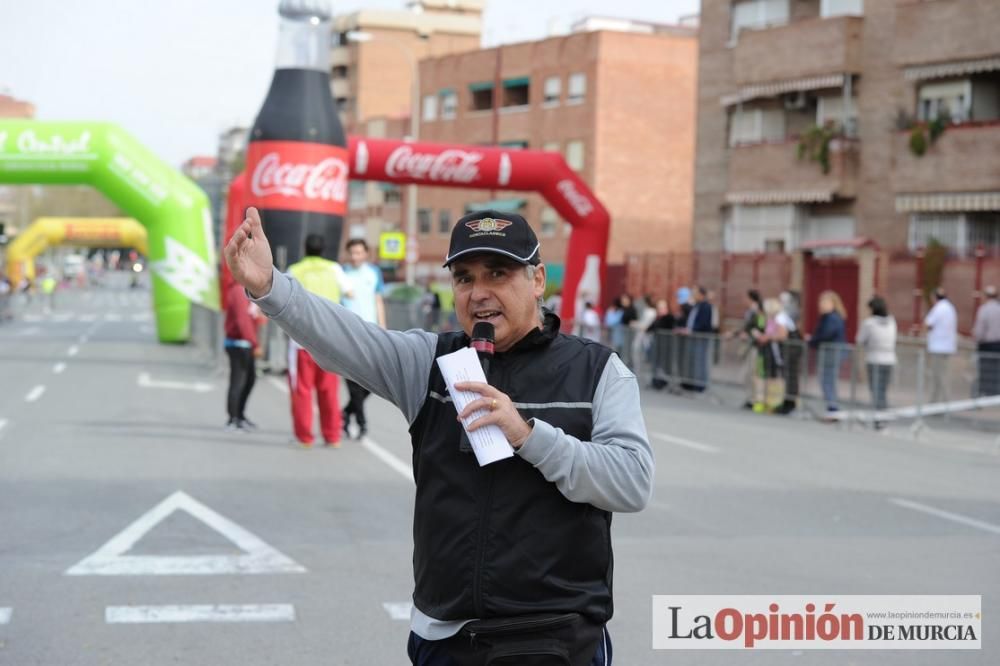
[830,338]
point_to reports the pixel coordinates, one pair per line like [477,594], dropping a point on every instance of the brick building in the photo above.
[870,85]
[373,61]
[618,104]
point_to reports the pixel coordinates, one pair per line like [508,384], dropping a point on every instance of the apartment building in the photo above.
[374,57]
[618,104]
[822,121]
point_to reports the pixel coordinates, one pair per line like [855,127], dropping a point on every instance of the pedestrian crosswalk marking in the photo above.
[110,559]
[199,613]
[5,615]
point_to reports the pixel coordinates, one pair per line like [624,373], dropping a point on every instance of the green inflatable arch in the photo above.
[173,209]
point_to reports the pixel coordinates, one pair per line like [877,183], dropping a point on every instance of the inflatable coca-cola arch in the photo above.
[479,167]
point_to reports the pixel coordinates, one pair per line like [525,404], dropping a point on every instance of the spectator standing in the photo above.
[324,278]
[241,345]
[661,331]
[614,327]
[942,343]
[877,336]
[698,328]
[829,338]
[986,331]
[367,289]
[590,324]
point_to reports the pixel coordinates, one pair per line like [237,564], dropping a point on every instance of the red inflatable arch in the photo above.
[487,168]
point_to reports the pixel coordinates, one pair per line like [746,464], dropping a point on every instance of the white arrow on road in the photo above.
[146,381]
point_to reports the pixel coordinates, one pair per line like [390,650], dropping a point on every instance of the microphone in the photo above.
[483,335]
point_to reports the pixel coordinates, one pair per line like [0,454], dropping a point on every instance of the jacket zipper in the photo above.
[484,515]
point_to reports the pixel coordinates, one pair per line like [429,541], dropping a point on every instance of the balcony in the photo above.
[802,49]
[963,159]
[773,173]
[340,88]
[340,56]
[945,30]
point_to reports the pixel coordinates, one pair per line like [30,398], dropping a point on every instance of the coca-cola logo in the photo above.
[56,144]
[448,166]
[326,180]
[579,202]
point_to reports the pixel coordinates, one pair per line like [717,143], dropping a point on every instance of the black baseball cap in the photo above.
[491,231]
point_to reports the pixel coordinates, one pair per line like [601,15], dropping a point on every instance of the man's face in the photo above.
[494,289]
[358,255]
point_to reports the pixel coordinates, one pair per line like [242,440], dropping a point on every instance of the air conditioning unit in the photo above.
[795,101]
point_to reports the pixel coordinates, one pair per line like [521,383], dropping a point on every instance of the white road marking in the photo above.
[5,614]
[142,316]
[388,458]
[278,384]
[72,351]
[3,424]
[62,317]
[199,613]
[35,393]
[259,557]
[112,316]
[145,381]
[398,610]
[88,317]
[680,441]
[371,446]
[947,515]
[32,317]
[58,368]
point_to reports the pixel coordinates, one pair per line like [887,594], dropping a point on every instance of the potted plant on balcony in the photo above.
[814,144]
[923,134]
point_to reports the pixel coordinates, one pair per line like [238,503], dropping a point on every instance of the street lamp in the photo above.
[359,36]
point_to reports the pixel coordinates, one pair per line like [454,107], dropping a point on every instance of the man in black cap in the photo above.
[514,557]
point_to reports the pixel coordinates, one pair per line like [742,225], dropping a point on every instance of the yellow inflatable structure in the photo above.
[46,232]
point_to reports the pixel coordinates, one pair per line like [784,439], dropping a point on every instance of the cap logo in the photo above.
[488,224]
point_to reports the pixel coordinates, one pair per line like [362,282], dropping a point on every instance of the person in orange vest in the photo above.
[325,278]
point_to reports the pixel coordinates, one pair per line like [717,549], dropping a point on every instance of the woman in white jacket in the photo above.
[878,338]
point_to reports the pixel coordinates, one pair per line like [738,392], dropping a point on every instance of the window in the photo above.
[950,100]
[357,194]
[553,90]
[515,91]
[482,96]
[756,126]
[828,8]
[959,232]
[756,228]
[552,146]
[424,221]
[339,72]
[449,103]
[391,193]
[831,110]
[345,104]
[577,88]
[430,107]
[826,227]
[574,155]
[550,222]
[756,14]
[516,145]
[444,221]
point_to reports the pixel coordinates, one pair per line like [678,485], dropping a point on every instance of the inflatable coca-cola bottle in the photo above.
[297,156]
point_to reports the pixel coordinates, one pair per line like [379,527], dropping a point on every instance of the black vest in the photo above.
[500,540]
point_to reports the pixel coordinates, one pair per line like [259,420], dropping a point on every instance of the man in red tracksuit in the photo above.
[327,279]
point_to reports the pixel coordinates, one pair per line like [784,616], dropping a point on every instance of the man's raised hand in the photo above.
[248,255]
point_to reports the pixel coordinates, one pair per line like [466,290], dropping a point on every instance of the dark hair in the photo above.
[940,294]
[314,245]
[878,306]
[754,296]
[356,241]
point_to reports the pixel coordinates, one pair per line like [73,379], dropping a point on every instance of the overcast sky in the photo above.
[176,72]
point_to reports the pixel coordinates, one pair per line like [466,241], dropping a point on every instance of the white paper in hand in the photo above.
[488,443]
